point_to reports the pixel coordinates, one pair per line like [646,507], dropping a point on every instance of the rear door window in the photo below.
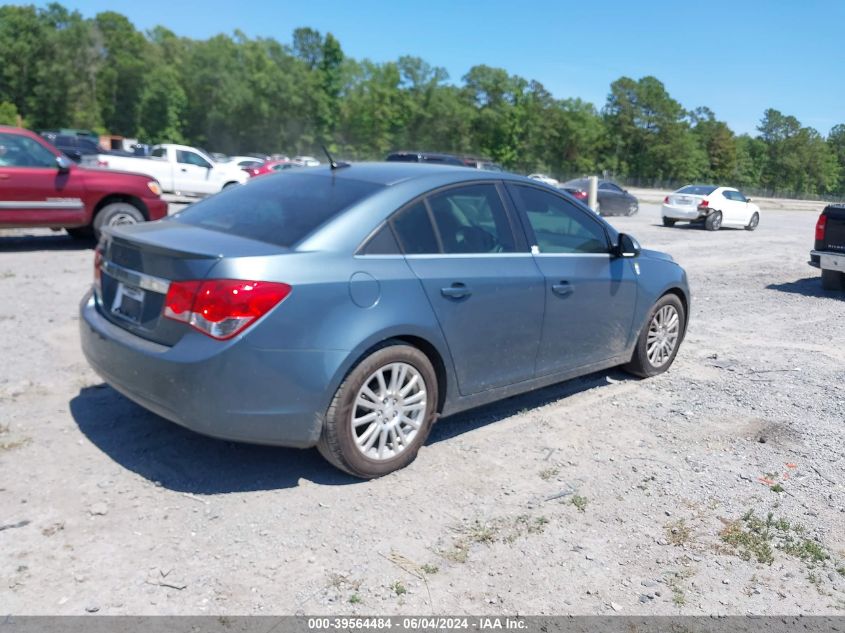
[21,151]
[472,219]
[415,232]
[281,210]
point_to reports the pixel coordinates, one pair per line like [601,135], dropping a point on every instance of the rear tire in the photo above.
[116,214]
[713,221]
[344,444]
[753,222]
[668,222]
[656,348]
[833,280]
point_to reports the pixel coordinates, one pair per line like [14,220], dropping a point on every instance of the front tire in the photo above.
[833,280]
[660,339]
[116,214]
[668,222]
[753,222]
[382,413]
[713,221]
[633,208]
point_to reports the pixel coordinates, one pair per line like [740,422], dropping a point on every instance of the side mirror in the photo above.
[748,199]
[63,163]
[627,246]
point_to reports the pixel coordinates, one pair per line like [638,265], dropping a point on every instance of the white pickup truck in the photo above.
[178,168]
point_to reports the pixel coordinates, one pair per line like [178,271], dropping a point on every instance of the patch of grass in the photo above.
[805,549]
[776,488]
[355,599]
[549,473]
[505,530]
[429,569]
[579,502]
[678,597]
[751,537]
[7,274]
[398,588]
[458,553]
[13,444]
[678,532]
[757,538]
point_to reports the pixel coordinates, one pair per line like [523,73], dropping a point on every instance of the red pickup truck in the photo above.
[39,186]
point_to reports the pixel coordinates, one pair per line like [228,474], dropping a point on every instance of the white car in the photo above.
[306,161]
[713,206]
[545,179]
[245,162]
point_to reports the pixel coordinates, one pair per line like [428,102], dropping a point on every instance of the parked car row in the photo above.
[436,158]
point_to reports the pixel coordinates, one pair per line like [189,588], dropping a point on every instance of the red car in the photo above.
[270,166]
[39,186]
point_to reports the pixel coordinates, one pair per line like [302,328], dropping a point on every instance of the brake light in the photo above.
[704,204]
[820,226]
[222,308]
[580,195]
[98,273]
[666,200]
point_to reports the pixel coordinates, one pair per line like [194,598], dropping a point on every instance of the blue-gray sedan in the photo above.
[350,307]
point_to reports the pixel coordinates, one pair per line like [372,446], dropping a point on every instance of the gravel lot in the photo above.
[598,496]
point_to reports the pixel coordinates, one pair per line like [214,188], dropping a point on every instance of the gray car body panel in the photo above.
[273,383]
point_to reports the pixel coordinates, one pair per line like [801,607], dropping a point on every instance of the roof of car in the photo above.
[391,173]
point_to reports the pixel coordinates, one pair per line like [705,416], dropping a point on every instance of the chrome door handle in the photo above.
[563,289]
[456,291]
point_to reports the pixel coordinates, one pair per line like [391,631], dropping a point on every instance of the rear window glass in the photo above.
[414,229]
[280,209]
[697,190]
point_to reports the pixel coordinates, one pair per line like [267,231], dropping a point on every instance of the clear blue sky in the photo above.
[738,58]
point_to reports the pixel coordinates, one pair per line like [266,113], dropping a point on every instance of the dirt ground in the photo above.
[716,488]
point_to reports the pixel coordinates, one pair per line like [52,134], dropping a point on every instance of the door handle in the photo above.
[563,289]
[184,169]
[456,291]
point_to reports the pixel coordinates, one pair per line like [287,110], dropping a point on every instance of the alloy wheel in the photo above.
[121,219]
[663,332]
[388,411]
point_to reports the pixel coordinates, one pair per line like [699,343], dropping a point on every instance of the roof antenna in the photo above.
[332,162]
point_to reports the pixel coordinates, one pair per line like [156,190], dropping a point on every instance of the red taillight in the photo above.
[98,274]
[704,203]
[221,308]
[820,226]
[580,195]
[666,200]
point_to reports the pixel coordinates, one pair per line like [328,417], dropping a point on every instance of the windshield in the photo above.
[280,209]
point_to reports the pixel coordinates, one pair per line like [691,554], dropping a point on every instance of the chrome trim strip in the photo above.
[135,278]
[573,255]
[42,204]
[464,255]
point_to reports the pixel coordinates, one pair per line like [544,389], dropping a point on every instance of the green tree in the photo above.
[8,113]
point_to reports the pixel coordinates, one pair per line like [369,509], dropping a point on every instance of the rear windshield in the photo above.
[280,209]
[697,190]
[578,183]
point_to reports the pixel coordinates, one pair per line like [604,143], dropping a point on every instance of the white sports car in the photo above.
[713,206]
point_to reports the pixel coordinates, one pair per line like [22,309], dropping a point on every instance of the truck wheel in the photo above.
[833,280]
[713,221]
[116,214]
[668,222]
[381,414]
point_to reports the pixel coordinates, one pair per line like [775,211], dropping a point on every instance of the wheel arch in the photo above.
[684,299]
[121,197]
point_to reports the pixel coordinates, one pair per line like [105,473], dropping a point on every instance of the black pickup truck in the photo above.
[829,250]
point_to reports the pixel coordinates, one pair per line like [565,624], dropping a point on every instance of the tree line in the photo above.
[236,94]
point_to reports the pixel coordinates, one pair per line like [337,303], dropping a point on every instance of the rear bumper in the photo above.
[227,390]
[683,213]
[827,260]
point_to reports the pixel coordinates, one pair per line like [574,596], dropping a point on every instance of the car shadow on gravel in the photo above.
[181,460]
[58,242]
[809,287]
[184,461]
[467,421]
